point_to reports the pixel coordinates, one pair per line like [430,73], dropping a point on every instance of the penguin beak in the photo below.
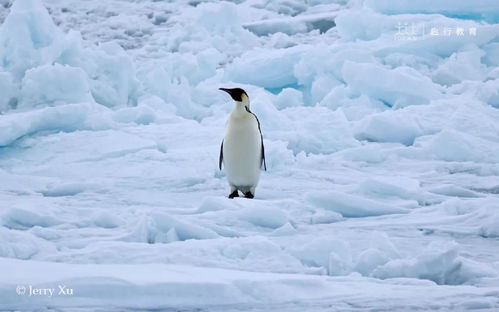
[226,90]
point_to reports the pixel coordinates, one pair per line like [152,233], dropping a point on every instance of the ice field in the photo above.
[381,128]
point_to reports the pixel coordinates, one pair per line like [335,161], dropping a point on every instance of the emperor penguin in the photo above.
[242,152]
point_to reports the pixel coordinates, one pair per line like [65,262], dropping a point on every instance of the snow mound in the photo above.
[325,217]
[350,206]
[396,187]
[253,253]
[407,124]
[270,217]
[66,118]
[293,25]
[277,155]
[327,132]
[399,87]
[380,251]
[206,26]
[490,226]
[358,24]
[164,81]
[29,38]
[453,190]
[453,145]
[475,216]
[34,51]
[111,73]
[105,220]
[163,228]
[461,66]
[54,85]
[288,97]
[9,91]
[214,204]
[385,127]
[286,229]
[483,219]
[21,219]
[332,255]
[22,245]
[271,70]
[440,263]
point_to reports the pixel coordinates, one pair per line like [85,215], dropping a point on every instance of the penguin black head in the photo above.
[235,93]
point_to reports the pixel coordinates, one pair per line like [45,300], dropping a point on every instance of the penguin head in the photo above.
[237,94]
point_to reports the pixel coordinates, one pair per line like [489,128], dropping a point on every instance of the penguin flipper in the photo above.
[262,160]
[263,155]
[221,157]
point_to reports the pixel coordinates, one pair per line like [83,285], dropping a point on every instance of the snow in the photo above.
[382,152]
[455,146]
[37,39]
[286,229]
[293,25]
[481,10]
[350,206]
[53,85]
[386,128]
[400,87]
[439,263]
[39,50]
[21,219]
[334,256]
[8,89]
[264,216]
[67,118]
[184,286]
[269,70]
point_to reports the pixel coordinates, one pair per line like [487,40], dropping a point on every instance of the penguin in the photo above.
[242,152]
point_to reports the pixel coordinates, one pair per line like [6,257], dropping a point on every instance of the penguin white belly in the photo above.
[242,152]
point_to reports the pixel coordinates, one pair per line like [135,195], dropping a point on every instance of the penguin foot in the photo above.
[248,195]
[234,194]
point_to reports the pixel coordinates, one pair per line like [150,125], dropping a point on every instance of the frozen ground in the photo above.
[382,141]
